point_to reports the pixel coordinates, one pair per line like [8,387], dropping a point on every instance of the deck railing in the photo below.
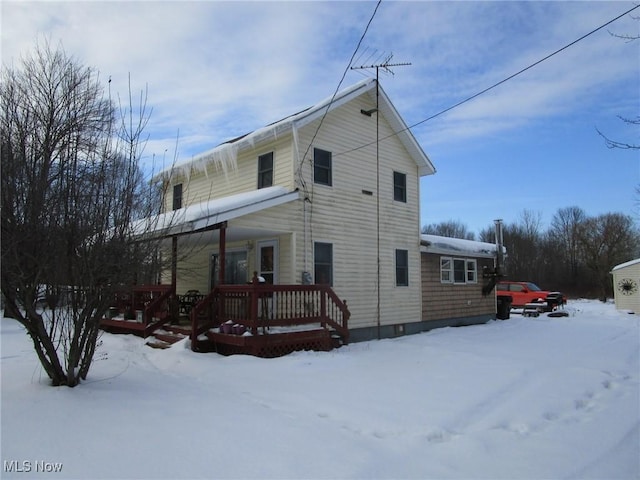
[151,302]
[259,306]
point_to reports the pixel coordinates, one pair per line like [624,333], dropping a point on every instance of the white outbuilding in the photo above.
[626,285]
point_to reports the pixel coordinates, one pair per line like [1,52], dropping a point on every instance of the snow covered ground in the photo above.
[526,398]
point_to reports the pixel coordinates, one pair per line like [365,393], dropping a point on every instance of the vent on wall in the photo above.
[398,329]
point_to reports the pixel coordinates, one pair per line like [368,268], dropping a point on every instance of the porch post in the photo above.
[174,263]
[223,248]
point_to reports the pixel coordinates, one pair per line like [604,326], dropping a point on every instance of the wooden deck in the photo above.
[141,310]
[256,319]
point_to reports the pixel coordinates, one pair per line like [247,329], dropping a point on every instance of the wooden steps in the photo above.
[167,336]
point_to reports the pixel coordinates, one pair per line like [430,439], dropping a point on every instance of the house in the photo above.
[313,218]
[626,285]
[453,280]
[330,196]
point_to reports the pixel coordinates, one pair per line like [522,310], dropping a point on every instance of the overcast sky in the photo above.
[216,70]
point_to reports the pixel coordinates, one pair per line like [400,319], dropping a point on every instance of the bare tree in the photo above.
[632,122]
[605,241]
[69,195]
[565,226]
[450,228]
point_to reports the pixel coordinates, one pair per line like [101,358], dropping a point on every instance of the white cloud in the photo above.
[220,69]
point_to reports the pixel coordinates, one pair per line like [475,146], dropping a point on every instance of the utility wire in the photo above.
[510,77]
[344,74]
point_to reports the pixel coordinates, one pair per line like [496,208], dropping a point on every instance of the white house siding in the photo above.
[626,276]
[345,216]
[201,187]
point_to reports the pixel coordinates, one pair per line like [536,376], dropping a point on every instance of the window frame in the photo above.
[319,267]
[176,200]
[322,168]
[402,268]
[468,275]
[262,171]
[400,189]
[448,270]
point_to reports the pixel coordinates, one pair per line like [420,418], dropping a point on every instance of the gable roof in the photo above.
[626,264]
[224,155]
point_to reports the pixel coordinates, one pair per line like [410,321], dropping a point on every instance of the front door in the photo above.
[267,263]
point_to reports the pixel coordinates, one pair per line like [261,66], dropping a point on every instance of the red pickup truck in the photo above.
[522,293]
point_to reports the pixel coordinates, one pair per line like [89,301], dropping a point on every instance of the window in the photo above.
[323,263]
[322,167]
[472,271]
[235,268]
[265,170]
[458,270]
[177,196]
[400,187]
[446,270]
[402,268]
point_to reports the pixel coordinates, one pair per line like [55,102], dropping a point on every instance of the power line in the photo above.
[299,172]
[482,92]
[344,74]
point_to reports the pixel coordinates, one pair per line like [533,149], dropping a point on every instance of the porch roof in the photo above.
[206,215]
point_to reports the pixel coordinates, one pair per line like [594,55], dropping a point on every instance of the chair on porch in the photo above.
[187,301]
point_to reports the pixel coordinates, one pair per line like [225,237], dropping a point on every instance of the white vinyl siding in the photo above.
[203,186]
[346,213]
[341,215]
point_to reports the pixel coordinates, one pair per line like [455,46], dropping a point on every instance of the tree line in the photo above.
[575,254]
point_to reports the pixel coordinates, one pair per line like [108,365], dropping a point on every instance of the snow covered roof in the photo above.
[457,246]
[224,156]
[625,264]
[200,216]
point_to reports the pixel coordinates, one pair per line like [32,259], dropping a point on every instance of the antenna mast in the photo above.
[386,67]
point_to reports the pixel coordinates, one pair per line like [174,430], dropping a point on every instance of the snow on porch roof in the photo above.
[457,246]
[200,216]
[224,156]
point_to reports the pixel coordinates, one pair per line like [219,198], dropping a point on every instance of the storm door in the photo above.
[267,263]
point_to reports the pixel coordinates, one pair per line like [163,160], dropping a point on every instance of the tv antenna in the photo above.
[385,65]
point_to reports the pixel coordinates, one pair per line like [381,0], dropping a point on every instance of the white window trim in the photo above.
[451,271]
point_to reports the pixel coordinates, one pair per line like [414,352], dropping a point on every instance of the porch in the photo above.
[256,319]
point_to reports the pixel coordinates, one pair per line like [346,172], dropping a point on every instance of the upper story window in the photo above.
[177,196]
[265,170]
[402,268]
[400,187]
[322,167]
[458,270]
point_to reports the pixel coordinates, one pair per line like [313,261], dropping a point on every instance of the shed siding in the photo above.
[442,301]
[630,301]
